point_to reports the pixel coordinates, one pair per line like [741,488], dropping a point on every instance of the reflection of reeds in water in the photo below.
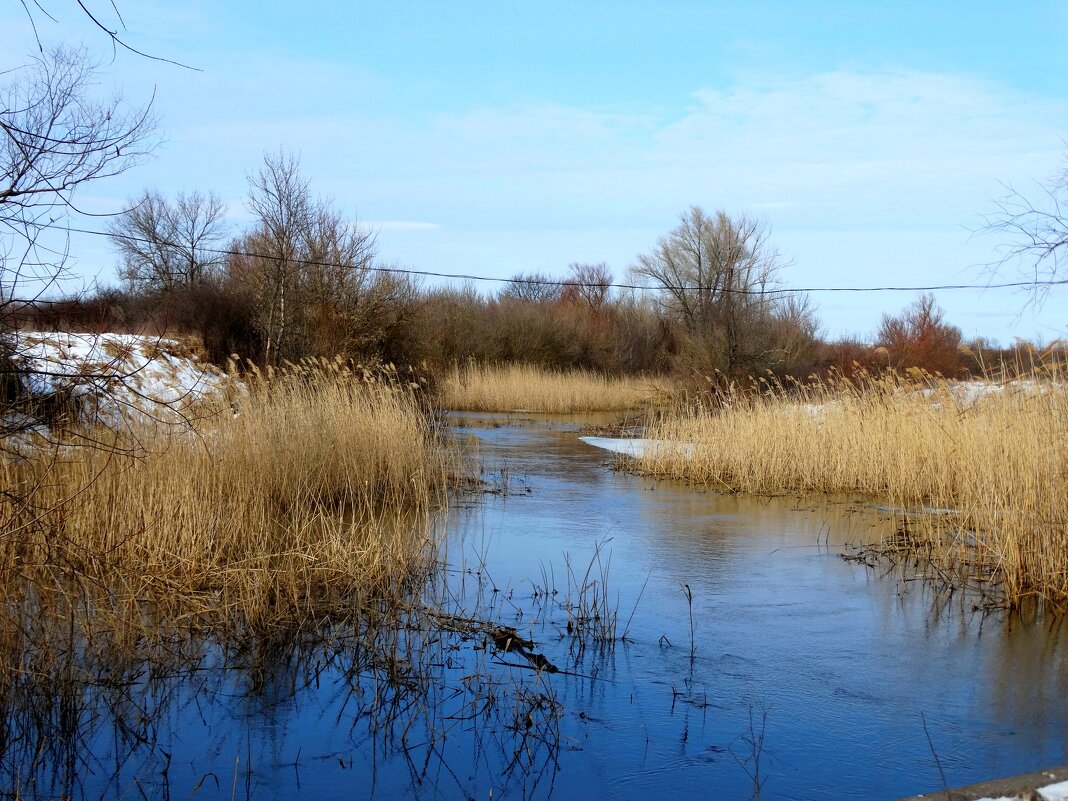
[93,700]
[590,610]
[996,463]
[506,388]
[592,615]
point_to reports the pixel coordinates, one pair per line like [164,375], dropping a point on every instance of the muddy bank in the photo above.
[1044,785]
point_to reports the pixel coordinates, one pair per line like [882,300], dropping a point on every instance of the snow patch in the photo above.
[1051,792]
[968,393]
[639,448]
[115,380]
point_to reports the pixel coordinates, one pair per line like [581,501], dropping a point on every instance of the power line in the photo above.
[534,281]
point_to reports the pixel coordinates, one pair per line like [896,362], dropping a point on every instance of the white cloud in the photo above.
[863,175]
[911,145]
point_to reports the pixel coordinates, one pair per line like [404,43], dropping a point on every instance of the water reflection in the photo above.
[422,708]
[800,675]
[843,658]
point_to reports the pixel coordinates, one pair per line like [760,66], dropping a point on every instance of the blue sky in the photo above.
[494,138]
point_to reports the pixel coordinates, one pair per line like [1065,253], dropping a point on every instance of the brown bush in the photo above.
[919,337]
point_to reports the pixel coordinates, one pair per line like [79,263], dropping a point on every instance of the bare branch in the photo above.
[308,267]
[719,275]
[1035,234]
[166,246]
[55,137]
[113,35]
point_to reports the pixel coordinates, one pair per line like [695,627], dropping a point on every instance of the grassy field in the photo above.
[506,388]
[305,490]
[999,459]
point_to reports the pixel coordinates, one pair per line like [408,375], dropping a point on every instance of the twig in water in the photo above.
[938,762]
[689,602]
[626,628]
[754,740]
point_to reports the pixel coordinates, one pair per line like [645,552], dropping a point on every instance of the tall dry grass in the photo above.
[516,387]
[999,459]
[310,487]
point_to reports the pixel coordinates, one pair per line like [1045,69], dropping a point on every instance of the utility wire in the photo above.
[1035,284]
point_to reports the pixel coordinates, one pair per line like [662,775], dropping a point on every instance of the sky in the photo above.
[492,138]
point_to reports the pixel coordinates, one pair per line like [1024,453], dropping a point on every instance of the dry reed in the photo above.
[515,387]
[993,464]
[284,541]
[314,486]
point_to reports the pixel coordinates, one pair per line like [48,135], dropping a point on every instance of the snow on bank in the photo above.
[112,379]
[962,394]
[1051,792]
[968,393]
[637,448]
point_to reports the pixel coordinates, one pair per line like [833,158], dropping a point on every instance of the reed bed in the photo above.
[308,488]
[282,538]
[981,470]
[515,387]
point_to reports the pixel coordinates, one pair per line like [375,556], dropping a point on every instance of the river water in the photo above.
[756,663]
[841,668]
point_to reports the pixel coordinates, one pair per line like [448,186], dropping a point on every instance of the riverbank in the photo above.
[272,495]
[995,458]
[1044,785]
[702,642]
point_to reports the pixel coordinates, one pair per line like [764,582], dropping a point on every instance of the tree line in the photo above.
[305,280]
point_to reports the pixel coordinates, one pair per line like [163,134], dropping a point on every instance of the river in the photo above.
[757,663]
[857,680]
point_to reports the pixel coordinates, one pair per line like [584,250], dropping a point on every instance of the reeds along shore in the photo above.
[996,455]
[303,491]
[506,388]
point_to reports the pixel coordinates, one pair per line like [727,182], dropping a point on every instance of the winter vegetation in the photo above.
[305,489]
[988,457]
[301,295]
[519,387]
[233,461]
[74,385]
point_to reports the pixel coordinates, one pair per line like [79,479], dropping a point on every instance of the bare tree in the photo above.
[715,272]
[307,266]
[794,335]
[280,199]
[589,283]
[55,137]
[920,337]
[1036,232]
[339,295]
[339,254]
[531,288]
[167,246]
